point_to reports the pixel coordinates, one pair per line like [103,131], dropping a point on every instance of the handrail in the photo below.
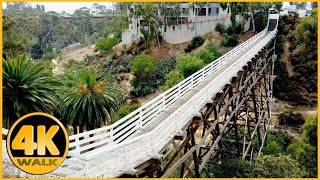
[139,118]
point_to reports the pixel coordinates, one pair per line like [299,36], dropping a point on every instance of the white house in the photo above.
[192,21]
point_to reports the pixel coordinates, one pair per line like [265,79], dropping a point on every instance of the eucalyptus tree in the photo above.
[235,8]
[149,30]
[163,7]
[242,8]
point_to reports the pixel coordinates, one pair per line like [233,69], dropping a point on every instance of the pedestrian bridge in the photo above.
[138,144]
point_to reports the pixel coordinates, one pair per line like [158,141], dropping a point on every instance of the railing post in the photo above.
[179,91]
[111,135]
[202,76]
[191,82]
[140,118]
[163,101]
[77,146]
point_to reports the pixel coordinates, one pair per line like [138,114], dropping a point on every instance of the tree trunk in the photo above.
[252,20]
[75,129]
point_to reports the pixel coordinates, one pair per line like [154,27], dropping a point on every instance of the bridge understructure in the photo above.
[233,124]
[221,111]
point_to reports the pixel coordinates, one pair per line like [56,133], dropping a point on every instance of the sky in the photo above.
[68,7]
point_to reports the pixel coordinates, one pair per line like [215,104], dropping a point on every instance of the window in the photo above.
[201,12]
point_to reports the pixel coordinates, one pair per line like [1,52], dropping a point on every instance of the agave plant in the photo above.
[90,101]
[28,86]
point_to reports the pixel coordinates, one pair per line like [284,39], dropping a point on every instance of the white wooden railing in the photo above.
[122,129]
[114,153]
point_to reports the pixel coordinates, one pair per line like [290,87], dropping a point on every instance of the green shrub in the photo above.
[273,148]
[220,28]
[213,49]
[206,56]
[70,63]
[298,149]
[164,67]
[105,45]
[262,166]
[230,30]
[143,66]
[236,28]
[239,27]
[282,138]
[282,166]
[195,42]
[123,111]
[209,36]
[230,40]
[291,118]
[143,87]
[189,64]
[310,131]
[172,79]
[124,64]
[227,168]
[50,55]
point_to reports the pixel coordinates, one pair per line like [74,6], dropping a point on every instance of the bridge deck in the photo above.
[172,108]
[110,163]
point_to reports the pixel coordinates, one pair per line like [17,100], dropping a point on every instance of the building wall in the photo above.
[196,26]
[187,32]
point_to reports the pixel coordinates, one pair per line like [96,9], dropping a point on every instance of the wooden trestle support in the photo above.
[234,124]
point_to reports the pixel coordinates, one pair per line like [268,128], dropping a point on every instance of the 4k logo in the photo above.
[37,143]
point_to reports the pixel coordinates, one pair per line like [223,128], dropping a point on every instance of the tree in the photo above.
[151,23]
[172,79]
[105,45]
[220,28]
[212,48]
[28,86]
[209,54]
[189,64]
[12,43]
[273,148]
[269,166]
[99,9]
[310,132]
[235,8]
[306,155]
[206,56]
[227,168]
[123,111]
[90,101]
[143,66]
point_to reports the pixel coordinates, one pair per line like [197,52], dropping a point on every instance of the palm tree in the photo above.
[28,86]
[89,100]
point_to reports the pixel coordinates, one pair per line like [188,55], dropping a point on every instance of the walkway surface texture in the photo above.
[146,132]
